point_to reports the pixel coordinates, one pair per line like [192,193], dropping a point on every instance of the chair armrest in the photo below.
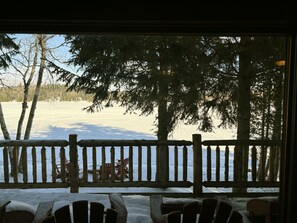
[44,209]
[156,202]
[3,205]
[117,203]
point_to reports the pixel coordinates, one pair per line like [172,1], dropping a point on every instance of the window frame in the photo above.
[178,18]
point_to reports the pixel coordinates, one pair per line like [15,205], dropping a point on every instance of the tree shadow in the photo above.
[88,131]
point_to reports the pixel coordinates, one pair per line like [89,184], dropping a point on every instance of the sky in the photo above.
[57,53]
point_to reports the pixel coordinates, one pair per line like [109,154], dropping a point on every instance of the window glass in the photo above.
[225,87]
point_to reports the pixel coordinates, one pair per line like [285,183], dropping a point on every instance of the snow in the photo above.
[56,120]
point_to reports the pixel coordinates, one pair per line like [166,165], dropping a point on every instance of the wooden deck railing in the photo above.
[221,154]
[71,163]
[35,156]
[142,165]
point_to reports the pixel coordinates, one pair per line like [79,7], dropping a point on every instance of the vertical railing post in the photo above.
[74,169]
[197,165]
[162,163]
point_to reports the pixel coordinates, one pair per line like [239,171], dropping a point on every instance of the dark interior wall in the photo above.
[288,193]
[147,16]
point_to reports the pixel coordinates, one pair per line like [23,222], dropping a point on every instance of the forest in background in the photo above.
[49,92]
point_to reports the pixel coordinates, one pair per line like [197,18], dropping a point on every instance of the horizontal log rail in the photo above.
[30,143]
[140,184]
[33,185]
[92,142]
[241,142]
[246,184]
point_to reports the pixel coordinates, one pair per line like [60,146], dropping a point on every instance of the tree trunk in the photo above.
[262,173]
[6,137]
[163,123]
[277,128]
[26,91]
[243,113]
[42,43]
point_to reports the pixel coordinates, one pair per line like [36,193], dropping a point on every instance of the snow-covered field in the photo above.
[56,120]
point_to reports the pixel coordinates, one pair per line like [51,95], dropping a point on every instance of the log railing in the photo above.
[221,155]
[93,163]
[75,164]
[100,158]
[34,156]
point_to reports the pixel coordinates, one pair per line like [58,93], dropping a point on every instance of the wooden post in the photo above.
[162,163]
[197,165]
[74,169]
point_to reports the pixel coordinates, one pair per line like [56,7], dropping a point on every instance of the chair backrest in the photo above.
[62,215]
[82,212]
[111,216]
[190,212]
[207,211]
[174,217]
[223,212]
[218,211]
[49,219]
[235,217]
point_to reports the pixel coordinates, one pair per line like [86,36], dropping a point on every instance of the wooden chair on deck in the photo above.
[122,168]
[83,212]
[218,211]
[22,213]
[105,173]
[210,210]
[186,213]
[59,171]
[119,169]
[266,208]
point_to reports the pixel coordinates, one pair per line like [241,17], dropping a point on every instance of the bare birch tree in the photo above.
[31,63]
[42,43]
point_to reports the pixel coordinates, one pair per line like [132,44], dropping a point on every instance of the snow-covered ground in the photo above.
[56,120]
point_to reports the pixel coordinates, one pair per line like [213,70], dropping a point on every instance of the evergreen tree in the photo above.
[186,78]
[162,74]
[252,97]
[8,48]
[142,73]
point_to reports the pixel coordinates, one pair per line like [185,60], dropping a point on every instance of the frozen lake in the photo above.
[56,120]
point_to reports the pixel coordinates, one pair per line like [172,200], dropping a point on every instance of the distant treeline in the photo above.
[51,92]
